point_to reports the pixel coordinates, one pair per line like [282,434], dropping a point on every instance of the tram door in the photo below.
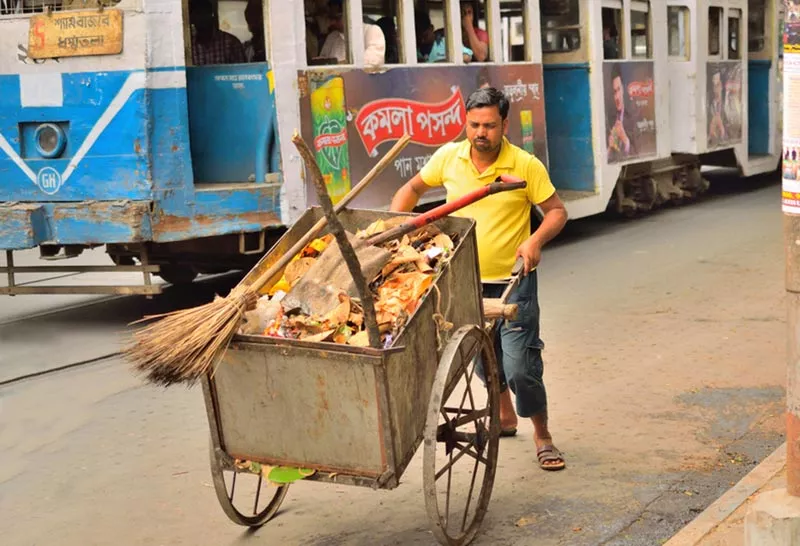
[229,92]
[762,75]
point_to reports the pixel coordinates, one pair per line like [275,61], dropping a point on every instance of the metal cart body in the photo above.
[354,415]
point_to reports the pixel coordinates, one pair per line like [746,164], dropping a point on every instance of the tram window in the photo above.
[734,47]
[246,23]
[640,29]
[613,47]
[474,29]
[328,32]
[430,22]
[678,20]
[384,14]
[756,25]
[714,31]
[561,28]
[210,44]
[513,31]
[16,7]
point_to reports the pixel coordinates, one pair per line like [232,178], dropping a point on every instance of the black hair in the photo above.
[615,72]
[422,21]
[486,97]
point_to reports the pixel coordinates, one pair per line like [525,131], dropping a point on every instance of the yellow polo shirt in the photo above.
[503,220]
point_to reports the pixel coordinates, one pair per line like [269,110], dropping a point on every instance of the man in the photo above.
[210,45]
[503,232]
[620,143]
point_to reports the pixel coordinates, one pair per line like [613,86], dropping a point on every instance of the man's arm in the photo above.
[555,217]
[408,195]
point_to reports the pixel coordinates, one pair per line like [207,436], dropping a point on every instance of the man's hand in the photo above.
[531,253]
[466,21]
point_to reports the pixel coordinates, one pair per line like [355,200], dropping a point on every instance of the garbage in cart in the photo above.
[399,286]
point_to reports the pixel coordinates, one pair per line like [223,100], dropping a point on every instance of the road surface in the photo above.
[664,363]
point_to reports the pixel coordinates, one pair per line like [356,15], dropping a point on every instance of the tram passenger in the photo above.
[335,46]
[432,45]
[255,47]
[210,45]
[503,231]
[474,37]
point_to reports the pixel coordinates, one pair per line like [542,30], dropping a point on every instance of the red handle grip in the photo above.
[473,196]
[443,210]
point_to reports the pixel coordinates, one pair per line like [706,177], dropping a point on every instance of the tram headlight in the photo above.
[50,140]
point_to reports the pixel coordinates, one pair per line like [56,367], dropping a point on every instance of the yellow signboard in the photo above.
[75,33]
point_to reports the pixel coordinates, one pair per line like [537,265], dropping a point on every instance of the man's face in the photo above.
[619,96]
[336,19]
[485,128]
[466,9]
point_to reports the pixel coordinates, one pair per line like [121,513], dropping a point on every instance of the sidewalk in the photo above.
[722,523]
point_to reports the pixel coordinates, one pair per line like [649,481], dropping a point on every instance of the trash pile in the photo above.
[397,290]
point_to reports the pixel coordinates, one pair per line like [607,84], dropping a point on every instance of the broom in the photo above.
[187,344]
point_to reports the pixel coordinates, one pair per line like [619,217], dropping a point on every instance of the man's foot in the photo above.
[550,458]
[508,416]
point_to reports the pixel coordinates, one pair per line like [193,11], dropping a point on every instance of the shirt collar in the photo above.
[505,160]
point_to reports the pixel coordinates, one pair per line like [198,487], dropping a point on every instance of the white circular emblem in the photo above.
[48,180]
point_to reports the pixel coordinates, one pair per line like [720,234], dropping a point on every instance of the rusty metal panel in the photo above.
[301,407]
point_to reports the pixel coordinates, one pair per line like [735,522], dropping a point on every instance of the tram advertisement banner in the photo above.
[630,110]
[354,117]
[724,103]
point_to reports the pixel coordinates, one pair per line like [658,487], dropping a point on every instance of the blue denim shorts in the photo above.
[518,347]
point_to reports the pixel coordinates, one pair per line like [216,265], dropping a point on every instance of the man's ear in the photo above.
[505,127]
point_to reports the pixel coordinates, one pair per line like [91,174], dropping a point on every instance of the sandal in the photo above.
[505,433]
[550,454]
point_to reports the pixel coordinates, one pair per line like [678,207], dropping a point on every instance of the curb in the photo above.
[720,509]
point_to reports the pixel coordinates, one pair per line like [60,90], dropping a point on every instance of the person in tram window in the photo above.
[474,38]
[621,144]
[610,36]
[210,45]
[504,233]
[392,55]
[335,46]
[432,45]
[255,47]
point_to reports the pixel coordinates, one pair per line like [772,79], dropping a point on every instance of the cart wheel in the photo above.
[463,419]
[249,497]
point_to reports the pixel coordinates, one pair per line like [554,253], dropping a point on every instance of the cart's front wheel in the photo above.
[463,426]
[241,501]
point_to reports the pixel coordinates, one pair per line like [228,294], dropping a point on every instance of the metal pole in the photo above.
[791,229]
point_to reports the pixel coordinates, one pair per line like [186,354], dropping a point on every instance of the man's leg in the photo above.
[523,369]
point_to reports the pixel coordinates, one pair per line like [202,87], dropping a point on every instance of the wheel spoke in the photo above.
[233,486]
[449,481]
[454,459]
[470,417]
[474,455]
[469,495]
[258,494]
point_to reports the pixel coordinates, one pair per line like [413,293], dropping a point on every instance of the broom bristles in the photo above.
[183,346]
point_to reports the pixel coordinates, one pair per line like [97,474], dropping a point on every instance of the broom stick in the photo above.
[284,260]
